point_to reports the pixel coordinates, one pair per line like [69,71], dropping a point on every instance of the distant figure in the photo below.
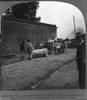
[48,45]
[55,47]
[37,46]
[29,48]
[58,48]
[22,50]
[81,60]
[41,45]
[66,46]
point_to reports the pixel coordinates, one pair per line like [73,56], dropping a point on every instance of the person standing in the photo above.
[81,60]
[29,48]
[55,47]
[22,50]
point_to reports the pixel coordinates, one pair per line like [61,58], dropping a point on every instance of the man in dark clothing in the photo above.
[29,49]
[81,60]
[22,50]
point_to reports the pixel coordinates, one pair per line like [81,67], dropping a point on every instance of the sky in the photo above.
[61,14]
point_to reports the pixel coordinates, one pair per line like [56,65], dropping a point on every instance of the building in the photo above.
[14,31]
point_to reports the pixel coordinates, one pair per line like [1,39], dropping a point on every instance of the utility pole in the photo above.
[74,25]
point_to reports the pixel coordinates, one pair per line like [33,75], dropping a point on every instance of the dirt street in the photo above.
[27,75]
[65,78]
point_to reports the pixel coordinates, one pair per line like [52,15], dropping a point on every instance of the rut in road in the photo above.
[49,74]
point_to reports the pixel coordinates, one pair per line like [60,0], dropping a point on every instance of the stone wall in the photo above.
[14,32]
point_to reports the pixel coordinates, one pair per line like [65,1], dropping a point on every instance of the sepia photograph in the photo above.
[43,49]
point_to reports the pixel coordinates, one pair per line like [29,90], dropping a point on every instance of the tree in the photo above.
[24,11]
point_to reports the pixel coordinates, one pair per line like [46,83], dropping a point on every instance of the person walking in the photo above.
[81,60]
[29,48]
[55,47]
[22,50]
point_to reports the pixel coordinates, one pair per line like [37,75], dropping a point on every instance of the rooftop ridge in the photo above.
[27,21]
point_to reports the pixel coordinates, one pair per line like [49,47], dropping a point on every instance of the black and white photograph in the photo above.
[43,46]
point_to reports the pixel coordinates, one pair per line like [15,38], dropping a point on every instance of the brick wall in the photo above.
[14,32]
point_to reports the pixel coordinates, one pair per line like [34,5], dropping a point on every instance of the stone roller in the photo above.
[40,53]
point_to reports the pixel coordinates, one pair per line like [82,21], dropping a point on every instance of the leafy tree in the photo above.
[24,10]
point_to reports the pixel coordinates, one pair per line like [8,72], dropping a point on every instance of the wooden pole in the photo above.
[74,25]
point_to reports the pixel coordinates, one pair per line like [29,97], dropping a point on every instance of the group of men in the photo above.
[26,47]
[59,47]
[80,56]
[55,45]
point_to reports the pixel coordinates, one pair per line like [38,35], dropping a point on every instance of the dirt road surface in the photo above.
[48,71]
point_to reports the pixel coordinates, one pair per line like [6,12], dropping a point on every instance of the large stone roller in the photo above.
[40,53]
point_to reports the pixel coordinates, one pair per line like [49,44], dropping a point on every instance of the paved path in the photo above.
[25,75]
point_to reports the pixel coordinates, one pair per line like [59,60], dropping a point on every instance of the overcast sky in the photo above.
[61,14]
